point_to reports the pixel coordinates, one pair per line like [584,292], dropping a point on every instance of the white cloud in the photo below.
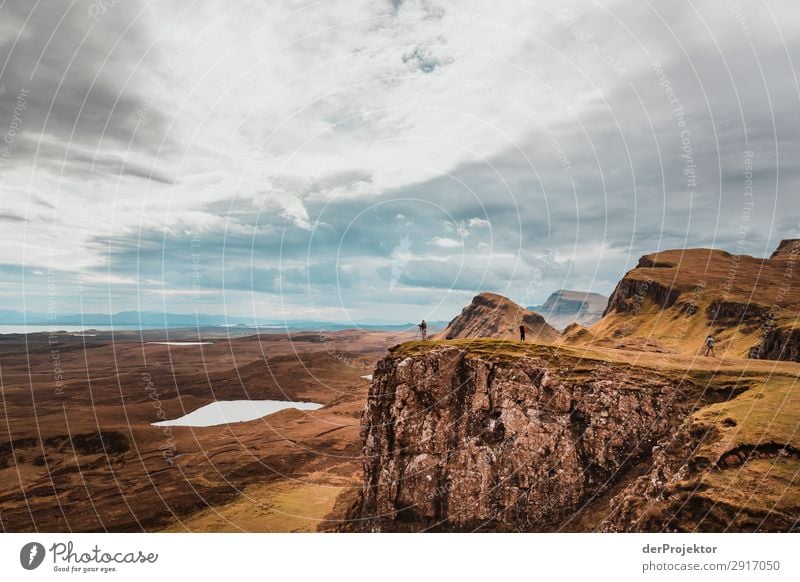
[446,243]
[292,95]
[112,279]
[290,207]
[328,110]
[478,223]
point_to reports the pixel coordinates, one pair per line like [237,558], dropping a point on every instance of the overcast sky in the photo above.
[383,161]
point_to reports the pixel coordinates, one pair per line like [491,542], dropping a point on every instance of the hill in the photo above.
[673,299]
[493,435]
[565,307]
[495,316]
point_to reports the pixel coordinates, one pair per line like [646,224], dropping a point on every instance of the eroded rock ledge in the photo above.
[778,344]
[461,440]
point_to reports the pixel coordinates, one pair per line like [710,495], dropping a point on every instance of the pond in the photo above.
[231,411]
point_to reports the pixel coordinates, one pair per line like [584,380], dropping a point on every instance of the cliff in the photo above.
[563,308]
[492,315]
[493,435]
[787,249]
[673,299]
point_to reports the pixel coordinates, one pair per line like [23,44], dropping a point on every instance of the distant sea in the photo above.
[239,329]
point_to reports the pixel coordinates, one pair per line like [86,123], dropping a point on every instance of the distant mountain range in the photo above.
[158,320]
[566,307]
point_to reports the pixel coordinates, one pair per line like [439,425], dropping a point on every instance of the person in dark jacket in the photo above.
[522,332]
[423,329]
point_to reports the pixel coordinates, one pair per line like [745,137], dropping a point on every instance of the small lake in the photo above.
[231,411]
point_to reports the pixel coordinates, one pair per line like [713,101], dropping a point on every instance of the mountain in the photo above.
[492,315]
[493,435]
[11,316]
[787,249]
[566,307]
[492,439]
[673,299]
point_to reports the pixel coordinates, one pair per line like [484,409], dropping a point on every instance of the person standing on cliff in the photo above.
[522,332]
[423,328]
[710,341]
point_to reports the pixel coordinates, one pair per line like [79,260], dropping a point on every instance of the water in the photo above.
[231,411]
[368,377]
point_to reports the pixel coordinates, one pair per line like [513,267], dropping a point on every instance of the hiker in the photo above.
[423,329]
[710,341]
[522,332]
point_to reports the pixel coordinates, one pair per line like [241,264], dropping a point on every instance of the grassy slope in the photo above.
[703,276]
[280,507]
[676,333]
[764,487]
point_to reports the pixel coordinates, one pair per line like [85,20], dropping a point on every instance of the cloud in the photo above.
[326,158]
[446,243]
[84,82]
[478,223]
[290,207]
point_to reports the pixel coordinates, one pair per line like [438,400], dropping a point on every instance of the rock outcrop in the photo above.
[673,299]
[461,439]
[683,491]
[778,344]
[787,249]
[631,293]
[563,308]
[494,316]
[494,435]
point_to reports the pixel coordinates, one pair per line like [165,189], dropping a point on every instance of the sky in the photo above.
[383,161]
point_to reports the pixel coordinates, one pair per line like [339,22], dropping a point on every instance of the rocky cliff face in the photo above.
[787,249]
[630,294]
[462,439]
[778,344]
[494,316]
[564,308]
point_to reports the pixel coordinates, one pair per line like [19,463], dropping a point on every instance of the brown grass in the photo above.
[703,277]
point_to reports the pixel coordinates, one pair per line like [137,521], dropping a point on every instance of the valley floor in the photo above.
[78,451]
